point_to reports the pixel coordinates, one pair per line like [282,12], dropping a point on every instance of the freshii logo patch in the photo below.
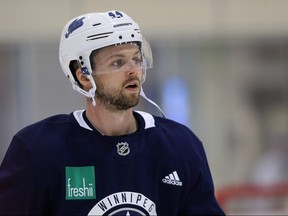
[80,183]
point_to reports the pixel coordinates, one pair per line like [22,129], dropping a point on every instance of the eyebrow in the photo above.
[117,55]
[122,55]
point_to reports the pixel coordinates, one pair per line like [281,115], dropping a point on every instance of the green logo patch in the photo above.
[80,183]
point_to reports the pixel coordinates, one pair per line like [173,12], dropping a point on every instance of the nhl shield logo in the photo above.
[123,148]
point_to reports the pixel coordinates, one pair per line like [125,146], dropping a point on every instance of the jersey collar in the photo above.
[145,120]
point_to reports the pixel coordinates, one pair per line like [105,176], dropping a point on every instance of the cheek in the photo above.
[108,81]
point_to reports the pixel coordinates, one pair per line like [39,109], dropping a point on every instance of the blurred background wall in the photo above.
[220,67]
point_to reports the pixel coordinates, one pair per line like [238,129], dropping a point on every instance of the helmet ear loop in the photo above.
[92,91]
[86,71]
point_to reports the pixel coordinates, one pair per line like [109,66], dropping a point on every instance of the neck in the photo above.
[111,123]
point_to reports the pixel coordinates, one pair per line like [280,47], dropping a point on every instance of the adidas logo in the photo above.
[172,179]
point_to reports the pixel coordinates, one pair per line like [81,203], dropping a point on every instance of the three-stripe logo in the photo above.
[172,179]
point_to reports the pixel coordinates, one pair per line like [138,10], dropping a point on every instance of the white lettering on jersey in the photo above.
[117,202]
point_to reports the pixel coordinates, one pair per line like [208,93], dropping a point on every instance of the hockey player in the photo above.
[107,159]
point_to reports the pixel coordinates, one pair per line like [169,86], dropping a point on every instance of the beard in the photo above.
[114,99]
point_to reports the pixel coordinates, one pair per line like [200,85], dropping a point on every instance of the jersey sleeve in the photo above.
[200,197]
[22,188]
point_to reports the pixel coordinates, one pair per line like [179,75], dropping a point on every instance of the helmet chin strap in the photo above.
[145,97]
[152,102]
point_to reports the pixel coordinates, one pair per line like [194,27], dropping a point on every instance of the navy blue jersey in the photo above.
[63,166]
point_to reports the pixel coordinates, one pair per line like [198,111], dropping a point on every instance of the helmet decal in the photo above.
[85,70]
[77,23]
[117,14]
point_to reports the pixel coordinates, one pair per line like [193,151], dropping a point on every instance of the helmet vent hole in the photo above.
[82,63]
[120,37]
[80,57]
[132,35]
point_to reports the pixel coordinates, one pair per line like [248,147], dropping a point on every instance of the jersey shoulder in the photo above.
[59,120]
[179,141]
[44,139]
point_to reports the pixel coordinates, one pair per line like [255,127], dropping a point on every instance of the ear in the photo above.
[82,78]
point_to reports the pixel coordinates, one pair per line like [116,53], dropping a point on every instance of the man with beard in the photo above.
[107,159]
[118,74]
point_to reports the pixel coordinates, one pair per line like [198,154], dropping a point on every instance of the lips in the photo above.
[132,84]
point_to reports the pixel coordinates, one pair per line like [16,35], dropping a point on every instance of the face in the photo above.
[118,71]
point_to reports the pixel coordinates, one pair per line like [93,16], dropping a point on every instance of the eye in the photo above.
[118,63]
[137,60]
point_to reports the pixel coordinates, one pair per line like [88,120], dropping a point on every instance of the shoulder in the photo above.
[174,130]
[43,140]
[174,139]
[60,120]
[150,121]
[47,132]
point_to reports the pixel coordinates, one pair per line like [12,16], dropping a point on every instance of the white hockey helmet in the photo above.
[92,31]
